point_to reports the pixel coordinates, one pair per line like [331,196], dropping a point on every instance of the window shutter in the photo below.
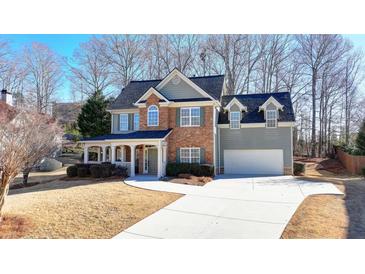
[118,122]
[202,155]
[202,116]
[130,121]
[178,155]
[177,117]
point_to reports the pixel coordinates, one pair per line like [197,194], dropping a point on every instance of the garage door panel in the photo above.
[261,162]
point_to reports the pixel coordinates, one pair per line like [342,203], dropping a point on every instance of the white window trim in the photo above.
[134,121]
[158,115]
[272,119]
[190,148]
[190,117]
[230,119]
[120,121]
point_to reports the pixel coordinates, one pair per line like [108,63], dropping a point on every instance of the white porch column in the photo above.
[104,153]
[86,154]
[133,160]
[113,153]
[99,154]
[159,161]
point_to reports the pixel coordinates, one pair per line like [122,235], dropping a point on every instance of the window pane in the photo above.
[195,112]
[195,121]
[123,122]
[185,121]
[185,112]
[184,155]
[152,119]
[136,121]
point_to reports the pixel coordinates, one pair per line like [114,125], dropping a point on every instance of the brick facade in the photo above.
[181,136]
[191,136]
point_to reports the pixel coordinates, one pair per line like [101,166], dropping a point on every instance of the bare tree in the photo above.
[350,87]
[125,54]
[239,54]
[44,75]
[317,51]
[26,139]
[90,71]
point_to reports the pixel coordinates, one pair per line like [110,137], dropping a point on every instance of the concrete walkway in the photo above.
[228,207]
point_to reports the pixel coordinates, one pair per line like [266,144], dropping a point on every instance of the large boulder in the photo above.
[49,164]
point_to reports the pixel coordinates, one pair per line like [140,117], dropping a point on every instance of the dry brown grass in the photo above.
[80,209]
[330,216]
[13,227]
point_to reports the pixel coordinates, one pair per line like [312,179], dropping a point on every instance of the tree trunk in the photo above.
[313,139]
[4,189]
[26,176]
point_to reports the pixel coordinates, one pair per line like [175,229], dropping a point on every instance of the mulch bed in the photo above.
[188,179]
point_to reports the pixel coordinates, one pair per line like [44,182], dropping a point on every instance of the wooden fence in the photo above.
[352,163]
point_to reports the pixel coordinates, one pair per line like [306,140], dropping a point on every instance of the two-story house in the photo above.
[191,120]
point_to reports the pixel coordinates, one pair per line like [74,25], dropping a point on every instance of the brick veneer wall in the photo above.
[162,115]
[181,136]
[191,136]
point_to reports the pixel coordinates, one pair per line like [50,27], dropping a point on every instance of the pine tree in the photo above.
[360,140]
[94,120]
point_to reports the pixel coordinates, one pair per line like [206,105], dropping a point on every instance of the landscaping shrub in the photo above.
[82,171]
[121,171]
[71,171]
[96,171]
[299,168]
[174,169]
[363,171]
[87,166]
[107,169]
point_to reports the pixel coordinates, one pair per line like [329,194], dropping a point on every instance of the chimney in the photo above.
[7,97]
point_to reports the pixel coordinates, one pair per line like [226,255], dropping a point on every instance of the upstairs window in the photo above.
[152,119]
[271,118]
[190,155]
[190,117]
[123,121]
[136,121]
[234,119]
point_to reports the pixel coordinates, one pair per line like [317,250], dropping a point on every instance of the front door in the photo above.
[152,161]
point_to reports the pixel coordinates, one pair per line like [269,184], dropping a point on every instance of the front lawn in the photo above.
[78,209]
[330,216]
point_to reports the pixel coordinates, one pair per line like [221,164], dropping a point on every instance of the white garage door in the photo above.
[261,162]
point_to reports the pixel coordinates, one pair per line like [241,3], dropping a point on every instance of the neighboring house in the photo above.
[190,120]
[7,111]
[66,113]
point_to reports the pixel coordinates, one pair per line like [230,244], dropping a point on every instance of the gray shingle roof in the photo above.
[135,89]
[143,134]
[253,101]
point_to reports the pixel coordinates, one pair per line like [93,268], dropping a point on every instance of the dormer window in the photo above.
[152,116]
[234,119]
[271,118]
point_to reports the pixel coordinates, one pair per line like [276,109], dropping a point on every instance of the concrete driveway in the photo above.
[228,207]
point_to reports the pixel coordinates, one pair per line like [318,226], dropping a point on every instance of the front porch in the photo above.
[148,158]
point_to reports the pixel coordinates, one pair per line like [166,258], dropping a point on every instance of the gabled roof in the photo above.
[213,85]
[150,91]
[253,102]
[269,101]
[236,102]
[142,134]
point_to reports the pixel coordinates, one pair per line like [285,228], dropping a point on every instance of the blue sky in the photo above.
[65,44]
